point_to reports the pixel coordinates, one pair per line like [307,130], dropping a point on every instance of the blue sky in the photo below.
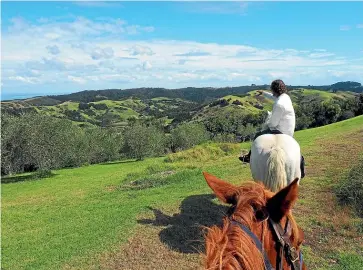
[61,47]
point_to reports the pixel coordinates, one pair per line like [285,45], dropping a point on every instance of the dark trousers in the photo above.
[267,131]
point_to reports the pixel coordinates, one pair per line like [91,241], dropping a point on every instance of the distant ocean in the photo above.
[11,96]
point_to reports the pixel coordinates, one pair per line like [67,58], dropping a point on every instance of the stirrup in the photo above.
[244,159]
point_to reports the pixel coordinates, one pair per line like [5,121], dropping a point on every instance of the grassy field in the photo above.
[145,215]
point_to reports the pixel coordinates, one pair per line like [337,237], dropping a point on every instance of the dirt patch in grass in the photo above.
[146,251]
[142,181]
[155,180]
[169,238]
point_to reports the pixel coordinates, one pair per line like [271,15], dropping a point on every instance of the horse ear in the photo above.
[281,203]
[225,191]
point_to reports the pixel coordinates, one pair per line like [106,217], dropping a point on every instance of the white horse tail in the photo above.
[276,174]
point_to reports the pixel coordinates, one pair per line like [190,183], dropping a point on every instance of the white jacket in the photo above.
[283,114]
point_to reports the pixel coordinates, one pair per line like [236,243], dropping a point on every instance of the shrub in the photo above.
[42,174]
[37,142]
[350,190]
[237,102]
[200,153]
[225,138]
[102,145]
[188,135]
[141,141]
[83,106]
[99,106]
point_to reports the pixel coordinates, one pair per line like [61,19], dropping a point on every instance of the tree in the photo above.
[141,141]
[14,145]
[103,145]
[52,142]
[332,112]
[188,135]
[359,109]
[83,106]
[247,132]
[39,141]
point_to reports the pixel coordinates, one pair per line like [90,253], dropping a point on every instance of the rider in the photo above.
[282,120]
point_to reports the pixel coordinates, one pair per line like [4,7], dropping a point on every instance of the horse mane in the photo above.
[225,249]
[229,247]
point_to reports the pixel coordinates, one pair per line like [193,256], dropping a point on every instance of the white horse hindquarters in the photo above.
[293,157]
[258,156]
[275,160]
[268,162]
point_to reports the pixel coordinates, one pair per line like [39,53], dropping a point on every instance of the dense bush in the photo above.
[35,141]
[188,135]
[83,106]
[102,145]
[141,141]
[237,123]
[246,132]
[221,102]
[237,102]
[314,112]
[225,138]
[99,106]
[350,190]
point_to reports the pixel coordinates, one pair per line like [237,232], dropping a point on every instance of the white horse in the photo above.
[275,160]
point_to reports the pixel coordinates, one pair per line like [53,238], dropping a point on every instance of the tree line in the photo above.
[35,142]
[315,112]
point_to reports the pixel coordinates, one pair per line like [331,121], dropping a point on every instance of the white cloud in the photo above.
[53,49]
[24,79]
[100,53]
[182,61]
[194,52]
[345,28]
[84,54]
[360,26]
[146,65]
[320,55]
[140,50]
[76,79]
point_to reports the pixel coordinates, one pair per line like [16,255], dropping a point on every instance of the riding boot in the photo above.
[302,167]
[246,158]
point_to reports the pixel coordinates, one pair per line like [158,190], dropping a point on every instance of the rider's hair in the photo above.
[279,87]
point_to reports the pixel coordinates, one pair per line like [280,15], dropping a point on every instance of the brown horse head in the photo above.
[257,215]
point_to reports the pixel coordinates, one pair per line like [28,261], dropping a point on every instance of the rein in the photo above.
[285,248]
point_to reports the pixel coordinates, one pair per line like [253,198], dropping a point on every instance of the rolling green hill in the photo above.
[252,103]
[103,112]
[146,215]
[116,112]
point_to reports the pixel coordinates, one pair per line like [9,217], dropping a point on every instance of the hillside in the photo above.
[252,103]
[104,112]
[98,216]
[200,95]
[116,112]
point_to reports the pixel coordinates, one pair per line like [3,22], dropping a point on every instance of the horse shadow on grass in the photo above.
[184,232]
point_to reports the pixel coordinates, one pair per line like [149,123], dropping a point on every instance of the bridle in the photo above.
[284,247]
